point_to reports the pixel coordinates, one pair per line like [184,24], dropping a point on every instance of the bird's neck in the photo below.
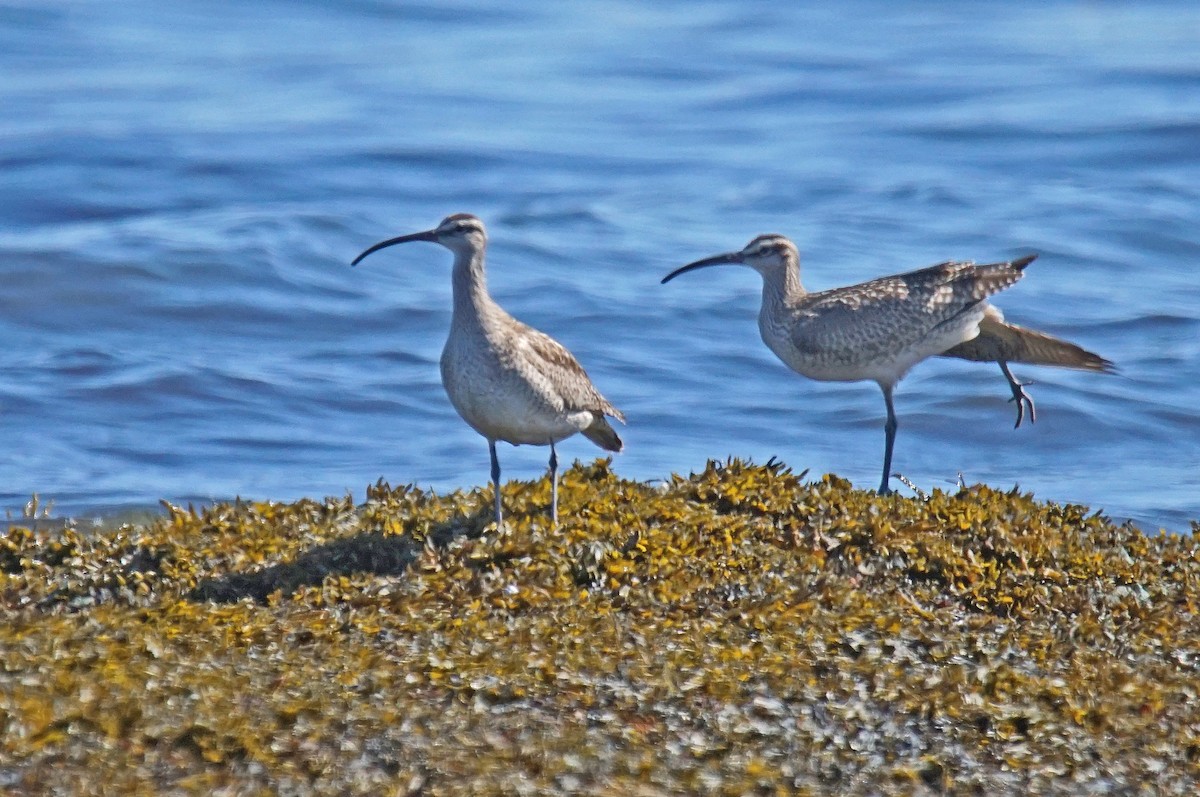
[781,286]
[471,298]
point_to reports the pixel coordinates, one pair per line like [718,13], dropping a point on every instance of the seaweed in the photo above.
[739,630]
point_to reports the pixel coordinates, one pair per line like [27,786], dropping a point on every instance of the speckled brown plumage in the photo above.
[836,333]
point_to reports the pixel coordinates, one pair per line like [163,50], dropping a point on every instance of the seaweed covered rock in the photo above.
[736,631]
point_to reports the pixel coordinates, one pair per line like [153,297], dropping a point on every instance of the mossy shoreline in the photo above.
[736,631]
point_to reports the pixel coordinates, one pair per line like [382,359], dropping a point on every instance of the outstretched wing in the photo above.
[999,341]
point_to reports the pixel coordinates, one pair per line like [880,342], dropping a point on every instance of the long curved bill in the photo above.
[715,260]
[428,235]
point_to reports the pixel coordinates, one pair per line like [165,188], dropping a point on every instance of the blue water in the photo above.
[182,186]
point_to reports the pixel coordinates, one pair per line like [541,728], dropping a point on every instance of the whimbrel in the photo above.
[878,330]
[507,380]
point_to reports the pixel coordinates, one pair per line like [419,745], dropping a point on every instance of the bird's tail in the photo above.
[602,434]
[1021,262]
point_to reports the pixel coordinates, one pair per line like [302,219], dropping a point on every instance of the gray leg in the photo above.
[889,430]
[553,487]
[495,480]
[1019,395]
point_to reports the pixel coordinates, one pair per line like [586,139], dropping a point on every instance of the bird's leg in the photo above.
[495,480]
[553,487]
[1020,396]
[889,430]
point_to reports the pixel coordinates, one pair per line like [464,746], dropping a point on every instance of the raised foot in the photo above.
[1023,399]
[1019,395]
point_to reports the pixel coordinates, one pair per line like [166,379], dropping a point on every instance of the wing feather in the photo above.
[564,374]
[999,341]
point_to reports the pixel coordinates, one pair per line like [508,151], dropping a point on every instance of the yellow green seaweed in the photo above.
[736,631]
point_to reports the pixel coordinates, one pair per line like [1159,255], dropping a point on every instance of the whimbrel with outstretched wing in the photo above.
[879,329]
[509,381]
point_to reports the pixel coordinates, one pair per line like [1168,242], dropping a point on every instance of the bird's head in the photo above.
[458,232]
[765,254]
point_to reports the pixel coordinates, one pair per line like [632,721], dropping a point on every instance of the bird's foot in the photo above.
[1022,399]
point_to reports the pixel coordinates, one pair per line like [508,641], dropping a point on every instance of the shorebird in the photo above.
[507,380]
[878,330]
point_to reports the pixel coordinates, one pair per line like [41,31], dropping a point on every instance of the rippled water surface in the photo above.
[182,186]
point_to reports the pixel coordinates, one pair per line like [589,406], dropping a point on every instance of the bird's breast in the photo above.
[500,395]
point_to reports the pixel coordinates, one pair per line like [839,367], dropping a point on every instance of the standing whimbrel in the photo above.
[880,329]
[510,382]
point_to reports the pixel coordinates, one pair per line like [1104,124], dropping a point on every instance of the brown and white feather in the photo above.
[882,327]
